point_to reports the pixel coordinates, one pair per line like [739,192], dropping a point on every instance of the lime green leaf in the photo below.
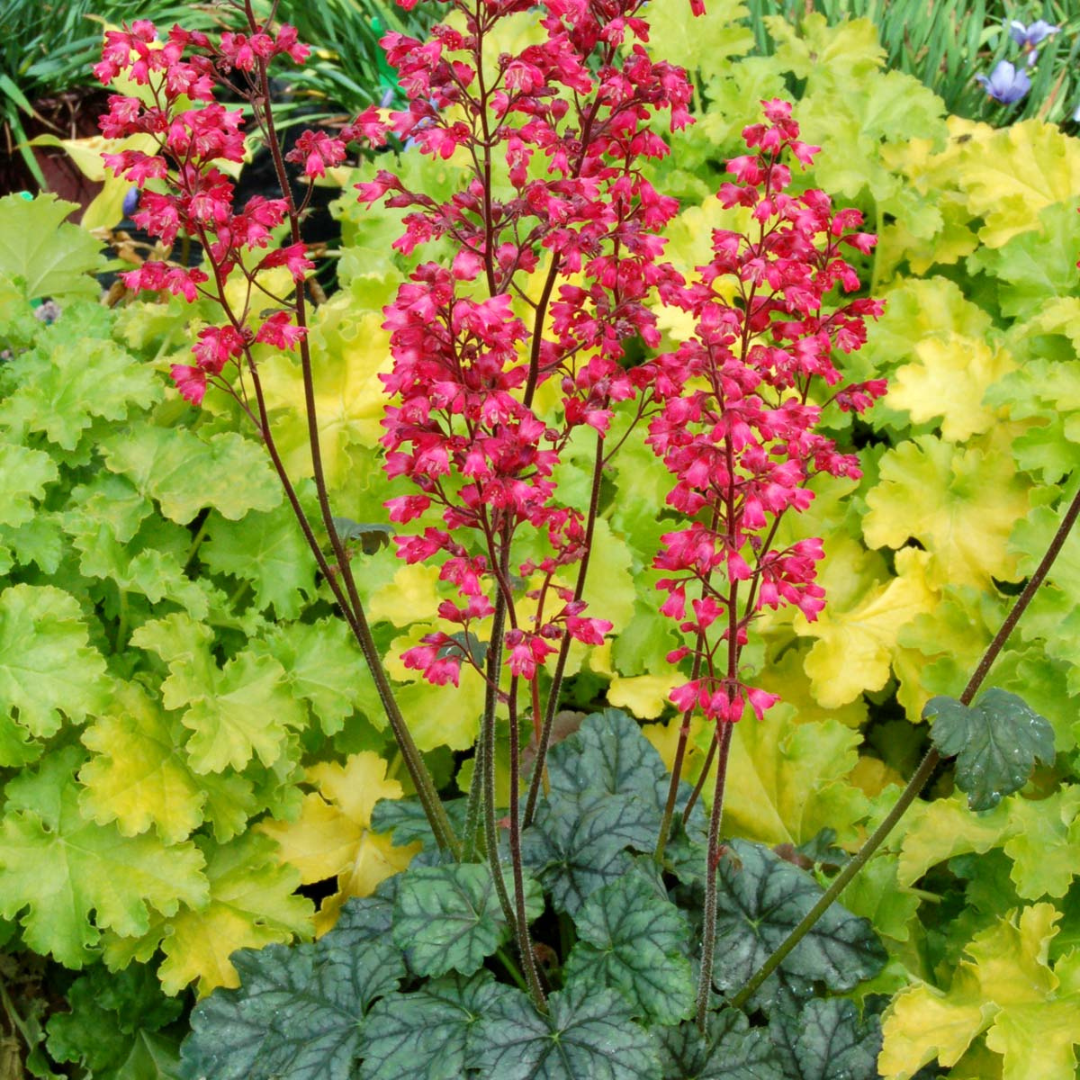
[47,667]
[269,550]
[584,1034]
[786,780]
[1038,266]
[323,665]
[826,1041]
[961,506]
[1031,1013]
[60,868]
[1011,174]
[876,894]
[251,902]
[51,257]
[856,645]
[427,1035]
[706,42]
[234,712]
[25,473]
[1041,838]
[60,388]
[949,379]
[634,940]
[298,1011]
[186,473]
[848,51]
[448,918]
[760,900]
[995,742]
[138,776]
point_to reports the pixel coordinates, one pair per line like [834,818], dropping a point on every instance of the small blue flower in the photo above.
[1027,37]
[131,202]
[1076,115]
[1005,84]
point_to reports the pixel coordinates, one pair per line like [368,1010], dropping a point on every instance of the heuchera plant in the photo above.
[500,359]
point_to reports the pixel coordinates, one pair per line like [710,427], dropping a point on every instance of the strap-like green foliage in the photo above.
[996,743]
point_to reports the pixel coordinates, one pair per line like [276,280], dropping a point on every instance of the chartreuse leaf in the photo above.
[324,666]
[138,776]
[47,668]
[857,644]
[996,743]
[786,780]
[60,385]
[234,712]
[62,869]
[185,472]
[585,1034]
[706,42]
[349,350]
[760,900]
[48,255]
[732,1050]
[429,1034]
[333,836]
[269,551]
[448,918]
[113,1030]
[1011,174]
[949,379]
[1037,266]
[634,940]
[1041,837]
[961,505]
[826,1041]
[251,903]
[26,472]
[1030,1011]
[298,1011]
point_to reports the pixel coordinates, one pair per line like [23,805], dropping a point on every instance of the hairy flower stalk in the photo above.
[557,254]
[194,136]
[738,405]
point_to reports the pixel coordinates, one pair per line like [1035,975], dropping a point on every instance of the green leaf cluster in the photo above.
[418,982]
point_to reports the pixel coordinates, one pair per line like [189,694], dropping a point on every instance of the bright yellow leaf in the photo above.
[1030,1012]
[646,696]
[333,837]
[949,377]
[855,645]
[961,505]
[411,597]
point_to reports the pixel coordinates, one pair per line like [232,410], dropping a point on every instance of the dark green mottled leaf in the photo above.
[760,899]
[585,1036]
[732,1051]
[996,743]
[826,1041]
[298,1010]
[635,941]
[406,820]
[448,918]
[578,842]
[426,1035]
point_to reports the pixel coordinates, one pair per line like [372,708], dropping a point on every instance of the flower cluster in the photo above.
[1008,83]
[195,135]
[738,407]
[553,271]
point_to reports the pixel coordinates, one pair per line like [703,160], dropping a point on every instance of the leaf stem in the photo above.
[924,771]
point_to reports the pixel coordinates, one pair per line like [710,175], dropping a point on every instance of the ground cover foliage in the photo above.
[187,737]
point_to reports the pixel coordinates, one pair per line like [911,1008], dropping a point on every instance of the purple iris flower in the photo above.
[131,202]
[1005,84]
[1029,36]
